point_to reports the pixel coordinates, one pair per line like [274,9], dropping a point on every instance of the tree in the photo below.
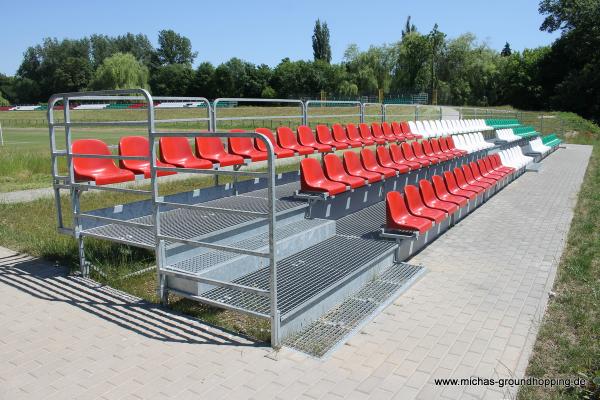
[120,71]
[506,51]
[172,80]
[3,101]
[570,71]
[174,48]
[320,42]
[204,81]
[436,42]
[408,28]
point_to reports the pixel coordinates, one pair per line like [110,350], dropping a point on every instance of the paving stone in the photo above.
[476,311]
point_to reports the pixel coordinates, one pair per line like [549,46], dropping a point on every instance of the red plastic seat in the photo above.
[443,194]
[365,133]
[139,146]
[428,150]
[432,201]
[415,204]
[398,217]
[438,151]
[279,151]
[444,145]
[312,179]
[487,161]
[334,170]
[370,163]
[353,134]
[485,172]
[452,146]
[384,159]
[211,148]
[287,140]
[410,156]
[103,171]
[406,129]
[454,189]
[354,167]
[378,133]
[463,184]
[471,180]
[306,137]
[497,162]
[388,131]
[417,149]
[398,157]
[479,175]
[324,136]
[339,135]
[244,146]
[177,151]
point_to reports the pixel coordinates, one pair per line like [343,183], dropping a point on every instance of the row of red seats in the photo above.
[432,202]
[177,152]
[336,175]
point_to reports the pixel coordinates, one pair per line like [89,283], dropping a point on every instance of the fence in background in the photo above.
[254,113]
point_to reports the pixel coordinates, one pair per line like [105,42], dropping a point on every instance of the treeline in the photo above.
[459,71]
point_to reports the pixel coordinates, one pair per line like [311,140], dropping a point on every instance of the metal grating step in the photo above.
[202,261]
[338,324]
[189,224]
[306,274]
[364,223]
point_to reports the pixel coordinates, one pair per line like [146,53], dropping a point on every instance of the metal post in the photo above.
[275,315]
[441,113]
[75,192]
[416,113]
[542,124]
[1,136]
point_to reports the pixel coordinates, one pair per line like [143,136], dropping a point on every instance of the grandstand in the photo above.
[286,247]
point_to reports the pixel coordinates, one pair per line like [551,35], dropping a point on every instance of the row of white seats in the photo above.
[514,157]
[537,146]
[507,134]
[471,142]
[445,127]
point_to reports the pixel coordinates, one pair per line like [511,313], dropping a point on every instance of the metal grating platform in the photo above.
[304,275]
[338,324]
[364,223]
[188,223]
[202,261]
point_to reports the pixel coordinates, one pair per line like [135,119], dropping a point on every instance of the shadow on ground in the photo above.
[45,282]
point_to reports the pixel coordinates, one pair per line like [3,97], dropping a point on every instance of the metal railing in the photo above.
[159,204]
[332,104]
[216,118]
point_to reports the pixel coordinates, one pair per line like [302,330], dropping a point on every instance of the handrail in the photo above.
[216,118]
[308,103]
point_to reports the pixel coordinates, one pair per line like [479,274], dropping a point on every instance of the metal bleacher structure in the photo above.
[286,247]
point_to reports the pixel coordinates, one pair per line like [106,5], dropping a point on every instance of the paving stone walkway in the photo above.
[475,313]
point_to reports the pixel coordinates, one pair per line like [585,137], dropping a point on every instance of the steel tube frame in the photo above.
[363,113]
[308,103]
[216,118]
[76,188]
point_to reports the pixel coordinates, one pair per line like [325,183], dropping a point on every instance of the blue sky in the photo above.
[266,31]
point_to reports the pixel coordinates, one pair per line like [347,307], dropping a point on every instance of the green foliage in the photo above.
[506,50]
[120,71]
[174,48]
[173,80]
[103,46]
[408,27]
[320,42]
[3,101]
